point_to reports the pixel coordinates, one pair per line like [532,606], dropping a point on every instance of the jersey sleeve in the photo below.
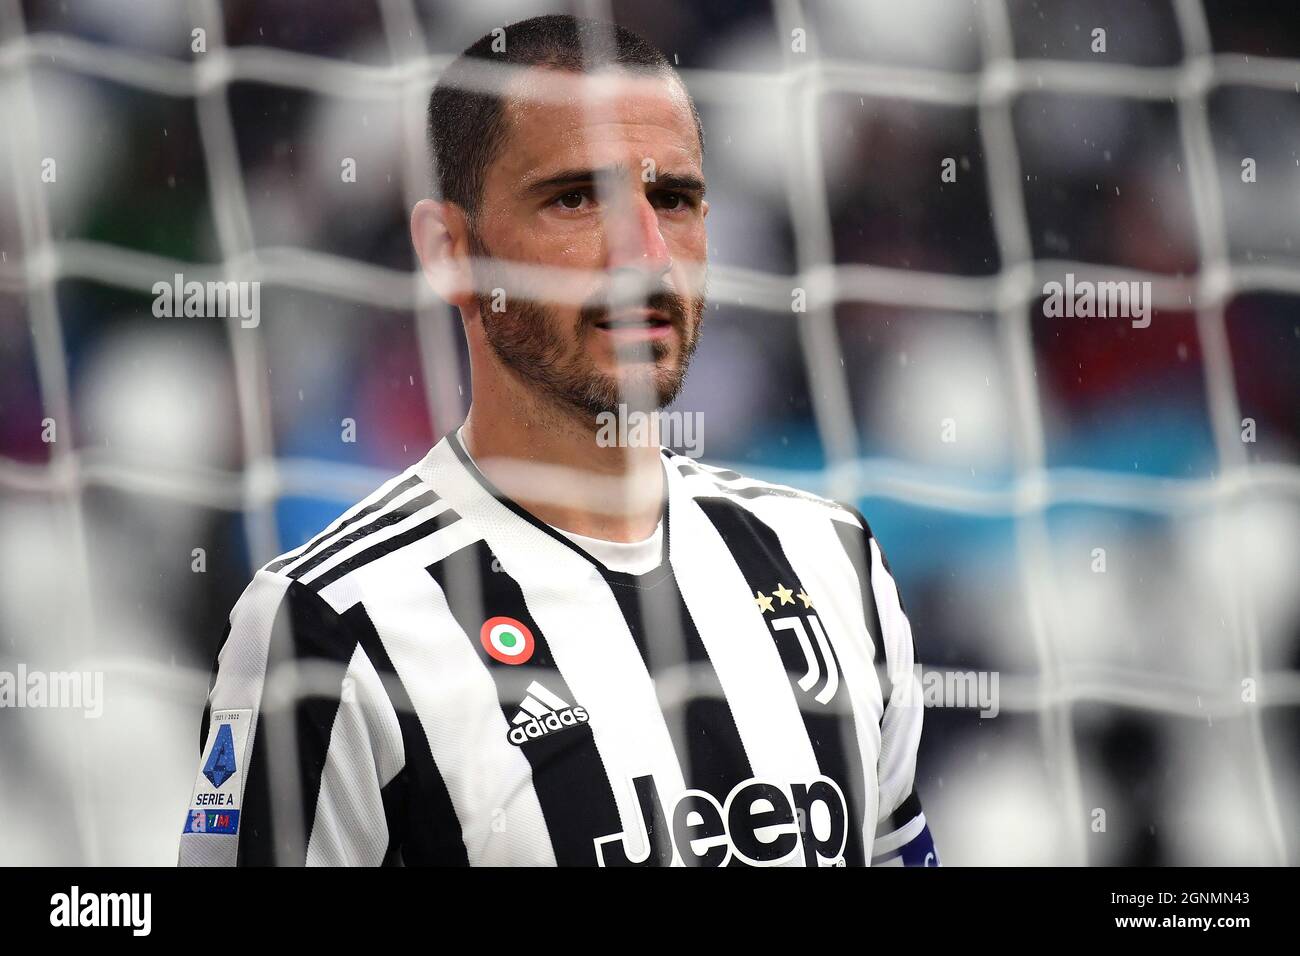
[301,757]
[902,835]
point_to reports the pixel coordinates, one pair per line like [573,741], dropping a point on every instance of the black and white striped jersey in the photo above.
[441,678]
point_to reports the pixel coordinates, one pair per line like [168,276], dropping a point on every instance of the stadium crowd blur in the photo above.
[1141,667]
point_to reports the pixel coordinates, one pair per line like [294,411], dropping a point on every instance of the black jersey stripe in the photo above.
[569,776]
[758,554]
[907,811]
[703,727]
[306,631]
[438,522]
[423,826]
[386,520]
[395,797]
[329,532]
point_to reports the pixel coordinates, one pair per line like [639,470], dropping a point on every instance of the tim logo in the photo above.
[819,659]
[761,823]
[212,821]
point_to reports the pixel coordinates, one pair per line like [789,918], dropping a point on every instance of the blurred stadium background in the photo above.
[1121,690]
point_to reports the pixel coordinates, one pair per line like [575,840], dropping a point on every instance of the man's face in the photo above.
[593,216]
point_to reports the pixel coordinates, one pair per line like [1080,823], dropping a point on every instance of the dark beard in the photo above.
[525,338]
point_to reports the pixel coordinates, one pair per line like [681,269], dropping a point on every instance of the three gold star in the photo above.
[786,596]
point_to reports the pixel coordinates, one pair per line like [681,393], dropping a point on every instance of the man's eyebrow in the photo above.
[583,176]
[683,181]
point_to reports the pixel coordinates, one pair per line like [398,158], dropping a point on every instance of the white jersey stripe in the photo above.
[238,686]
[901,729]
[354,774]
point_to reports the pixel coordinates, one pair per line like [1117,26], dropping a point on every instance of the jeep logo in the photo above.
[761,823]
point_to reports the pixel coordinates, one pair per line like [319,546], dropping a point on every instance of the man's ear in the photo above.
[440,234]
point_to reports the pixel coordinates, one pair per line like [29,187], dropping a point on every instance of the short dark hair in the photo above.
[467,125]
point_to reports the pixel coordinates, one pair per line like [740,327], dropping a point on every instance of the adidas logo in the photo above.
[542,713]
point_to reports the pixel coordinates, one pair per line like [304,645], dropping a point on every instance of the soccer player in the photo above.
[538,645]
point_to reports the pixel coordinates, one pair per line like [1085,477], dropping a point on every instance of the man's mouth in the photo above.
[629,325]
[649,323]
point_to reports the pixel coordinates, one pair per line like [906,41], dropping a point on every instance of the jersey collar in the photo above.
[618,578]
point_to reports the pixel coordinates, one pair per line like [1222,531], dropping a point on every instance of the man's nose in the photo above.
[634,238]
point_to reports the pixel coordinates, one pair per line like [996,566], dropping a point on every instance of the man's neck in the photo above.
[550,464]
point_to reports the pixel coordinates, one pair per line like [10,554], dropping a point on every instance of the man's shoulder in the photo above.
[290,599]
[396,512]
[704,480]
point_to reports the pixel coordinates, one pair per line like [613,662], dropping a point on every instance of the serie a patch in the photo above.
[219,789]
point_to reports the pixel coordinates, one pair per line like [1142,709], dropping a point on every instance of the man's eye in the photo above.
[572,200]
[673,201]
